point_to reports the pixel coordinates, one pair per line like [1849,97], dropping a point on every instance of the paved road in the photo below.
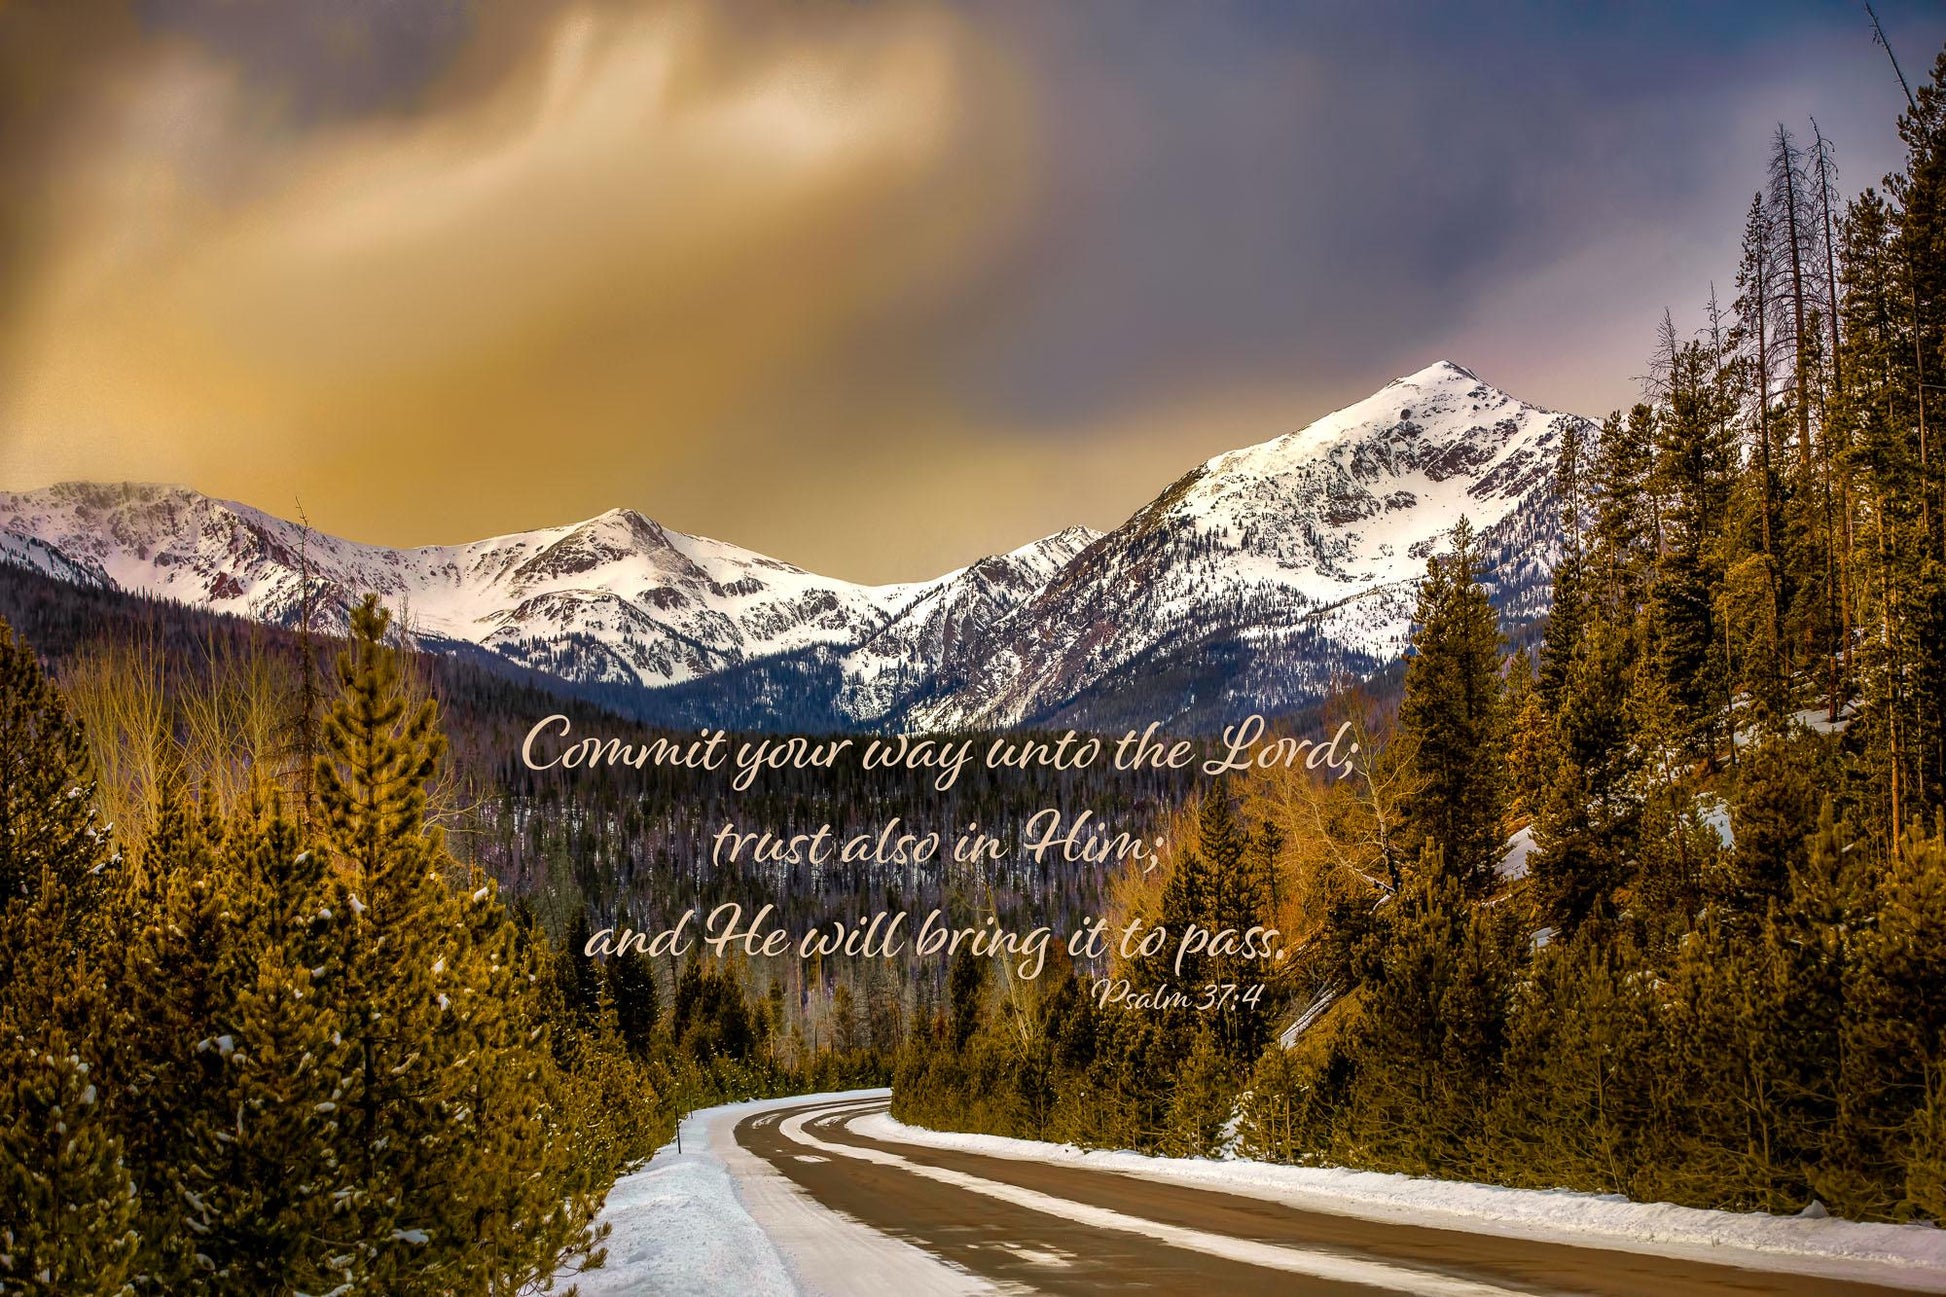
[1028,1227]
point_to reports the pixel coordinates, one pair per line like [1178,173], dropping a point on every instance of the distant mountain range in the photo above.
[1247,585]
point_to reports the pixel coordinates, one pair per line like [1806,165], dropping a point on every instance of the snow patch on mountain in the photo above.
[38,556]
[939,633]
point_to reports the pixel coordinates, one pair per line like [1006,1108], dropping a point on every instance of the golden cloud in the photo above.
[645,224]
[660,259]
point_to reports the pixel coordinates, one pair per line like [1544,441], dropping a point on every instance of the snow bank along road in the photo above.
[879,1208]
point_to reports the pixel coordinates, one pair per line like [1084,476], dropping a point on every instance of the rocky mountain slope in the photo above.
[1247,585]
[1260,574]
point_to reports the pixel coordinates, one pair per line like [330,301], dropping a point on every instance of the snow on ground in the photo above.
[1516,854]
[1818,719]
[1815,719]
[717,1221]
[1513,861]
[1715,812]
[1908,1256]
[679,1227]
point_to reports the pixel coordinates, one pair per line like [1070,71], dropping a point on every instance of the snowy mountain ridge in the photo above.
[1262,573]
[1254,578]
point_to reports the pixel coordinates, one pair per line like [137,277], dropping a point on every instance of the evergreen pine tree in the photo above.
[68,1202]
[1529,740]
[1427,1048]
[1567,610]
[448,1136]
[1582,1082]
[51,836]
[965,996]
[236,1097]
[631,983]
[1454,718]
[1894,1029]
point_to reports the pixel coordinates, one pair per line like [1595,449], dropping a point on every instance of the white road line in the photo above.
[830,1253]
[1314,1264]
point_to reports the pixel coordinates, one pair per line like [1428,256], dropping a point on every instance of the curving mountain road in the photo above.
[1015,1226]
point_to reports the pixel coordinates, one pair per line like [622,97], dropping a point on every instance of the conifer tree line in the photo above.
[277,1038]
[1658,910]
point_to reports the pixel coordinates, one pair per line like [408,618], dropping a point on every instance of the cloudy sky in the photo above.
[876,287]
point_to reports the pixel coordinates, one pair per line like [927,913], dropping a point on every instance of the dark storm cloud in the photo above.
[1310,189]
[345,57]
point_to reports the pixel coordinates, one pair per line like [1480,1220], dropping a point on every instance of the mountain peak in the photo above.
[1440,405]
[1438,371]
[627,528]
[1066,542]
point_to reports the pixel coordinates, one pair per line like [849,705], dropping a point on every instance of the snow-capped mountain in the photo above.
[1259,574]
[1243,586]
[615,599]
